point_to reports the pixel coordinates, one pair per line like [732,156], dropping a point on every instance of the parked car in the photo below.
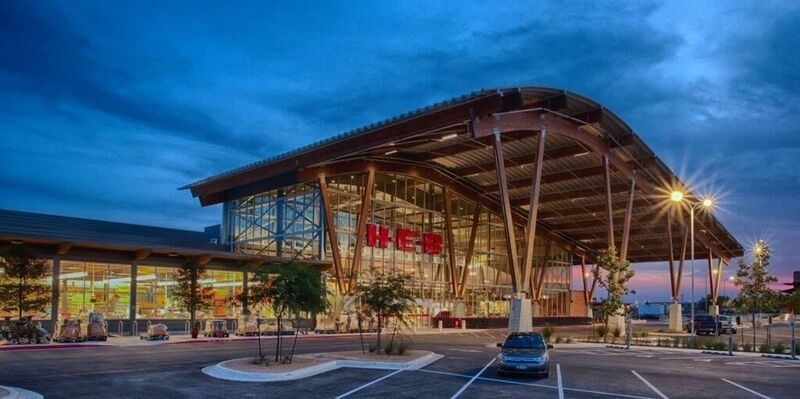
[524,353]
[727,324]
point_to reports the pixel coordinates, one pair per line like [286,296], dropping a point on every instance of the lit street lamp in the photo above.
[678,196]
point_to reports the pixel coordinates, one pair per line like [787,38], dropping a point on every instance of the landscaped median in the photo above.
[303,366]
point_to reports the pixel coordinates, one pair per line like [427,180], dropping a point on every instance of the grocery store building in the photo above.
[484,198]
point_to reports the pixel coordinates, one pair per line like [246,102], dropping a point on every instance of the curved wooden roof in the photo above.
[451,143]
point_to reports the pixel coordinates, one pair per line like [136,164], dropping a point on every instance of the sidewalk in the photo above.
[115,340]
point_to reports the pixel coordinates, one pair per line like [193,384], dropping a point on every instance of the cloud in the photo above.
[43,54]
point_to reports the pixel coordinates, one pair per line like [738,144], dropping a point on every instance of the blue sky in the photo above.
[106,108]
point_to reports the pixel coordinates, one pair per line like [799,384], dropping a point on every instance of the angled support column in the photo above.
[333,238]
[542,271]
[530,231]
[623,253]
[609,200]
[473,235]
[508,221]
[451,245]
[366,204]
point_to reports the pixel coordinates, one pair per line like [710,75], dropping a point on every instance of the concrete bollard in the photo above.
[440,326]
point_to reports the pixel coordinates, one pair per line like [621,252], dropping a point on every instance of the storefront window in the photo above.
[94,287]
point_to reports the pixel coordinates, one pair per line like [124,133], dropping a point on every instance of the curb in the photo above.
[19,393]
[221,371]
[717,353]
[784,357]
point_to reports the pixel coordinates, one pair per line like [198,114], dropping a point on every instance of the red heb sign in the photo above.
[405,240]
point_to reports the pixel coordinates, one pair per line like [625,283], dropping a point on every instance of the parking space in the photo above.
[579,374]
[464,371]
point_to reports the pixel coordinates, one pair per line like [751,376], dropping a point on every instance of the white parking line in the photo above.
[649,385]
[366,385]
[746,389]
[560,385]
[475,377]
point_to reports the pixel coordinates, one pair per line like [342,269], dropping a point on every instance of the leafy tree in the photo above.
[612,274]
[755,295]
[21,283]
[191,292]
[386,294]
[291,289]
[791,301]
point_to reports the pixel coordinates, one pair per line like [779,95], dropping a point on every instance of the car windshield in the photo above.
[524,342]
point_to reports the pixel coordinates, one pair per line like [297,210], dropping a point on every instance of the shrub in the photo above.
[547,331]
[372,348]
[568,340]
[720,346]
[402,348]
[388,348]
[747,347]
[559,340]
[616,331]
[779,348]
[764,348]
[602,331]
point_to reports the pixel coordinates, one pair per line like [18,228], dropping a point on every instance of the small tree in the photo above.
[753,279]
[190,290]
[386,294]
[21,282]
[291,288]
[612,274]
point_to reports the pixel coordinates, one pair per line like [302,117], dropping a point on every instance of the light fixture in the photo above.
[16,242]
[173,254]
[449,136]
[707,202]
[390,152]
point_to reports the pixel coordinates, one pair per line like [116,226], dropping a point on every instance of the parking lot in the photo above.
[465,371]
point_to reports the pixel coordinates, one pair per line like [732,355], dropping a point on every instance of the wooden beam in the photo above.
[559,153]
[451,242]
[609,201]
[63,248]
[366,203]
[473,235]
[623,253]
[203,259]
[508,218]
[543,269]
[530,230]
[140,254]
[333,237]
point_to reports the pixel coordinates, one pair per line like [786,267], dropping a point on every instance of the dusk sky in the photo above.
[107,107]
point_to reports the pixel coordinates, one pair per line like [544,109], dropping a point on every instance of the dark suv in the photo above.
[709,325]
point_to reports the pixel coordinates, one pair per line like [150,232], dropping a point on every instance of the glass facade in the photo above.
[86,287]
[405,221]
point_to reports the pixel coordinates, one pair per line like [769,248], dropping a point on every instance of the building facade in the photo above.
[496,195]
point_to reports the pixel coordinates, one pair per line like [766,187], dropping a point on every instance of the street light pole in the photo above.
[691,234]
[678,196]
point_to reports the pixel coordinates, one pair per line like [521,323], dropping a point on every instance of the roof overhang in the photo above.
[450,144]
